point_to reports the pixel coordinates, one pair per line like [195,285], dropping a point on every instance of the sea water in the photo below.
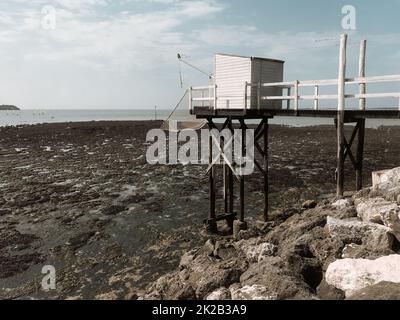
[29,117]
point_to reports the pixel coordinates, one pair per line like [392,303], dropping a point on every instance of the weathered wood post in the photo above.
[212,224]
[361,72]
[230,175]
[242,127]
[361,122]
[340,116]
[266,180]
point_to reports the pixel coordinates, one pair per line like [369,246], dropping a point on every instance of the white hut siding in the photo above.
[231,74]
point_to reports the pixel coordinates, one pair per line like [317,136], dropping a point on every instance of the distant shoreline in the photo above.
[9,108]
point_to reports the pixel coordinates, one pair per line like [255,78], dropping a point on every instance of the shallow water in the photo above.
[27,117]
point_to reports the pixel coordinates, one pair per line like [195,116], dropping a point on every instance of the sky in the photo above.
[121,54]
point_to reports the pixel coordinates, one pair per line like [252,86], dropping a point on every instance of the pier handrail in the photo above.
[294,86]
[325,82]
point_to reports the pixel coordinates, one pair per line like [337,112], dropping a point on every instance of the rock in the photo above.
[249,234]
[295,227]
[355,251]
[219,295]
[352,275]
[371,210]
[186,293]
[328,292]
[342,204]
[212,281]
[254,292]
[391,219]
[372,235]
[256,250]
[187,259]
[379,210]
[237,227]
[309,204]
[388,179]
[209,247]
[274,273]
[392,195]
[224,251]
[381,291]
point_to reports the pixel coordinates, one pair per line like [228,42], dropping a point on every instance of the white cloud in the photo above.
[120,40]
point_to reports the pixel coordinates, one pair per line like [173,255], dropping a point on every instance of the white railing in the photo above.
[208,94]
[296,85]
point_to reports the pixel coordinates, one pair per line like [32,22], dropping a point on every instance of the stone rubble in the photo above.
[334,250]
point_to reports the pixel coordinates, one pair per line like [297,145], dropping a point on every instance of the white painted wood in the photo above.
[342,73]
[215,96]
[232,73]
[190,99]
[361,72]
[289,92]
[296,95]
[316,101]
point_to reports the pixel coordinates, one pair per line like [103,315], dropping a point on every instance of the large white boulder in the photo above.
[373,235]
[351,275]
[386,180]
[379,210]
[372,210]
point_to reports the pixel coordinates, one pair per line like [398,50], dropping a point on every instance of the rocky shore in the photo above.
[81,197]
[345,249]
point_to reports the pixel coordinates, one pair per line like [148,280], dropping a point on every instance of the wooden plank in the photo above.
[266,173]
[360,154]
[212,213]
[340,116]
[361,73]
[204,113]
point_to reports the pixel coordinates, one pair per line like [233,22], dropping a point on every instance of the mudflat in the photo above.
[82,198]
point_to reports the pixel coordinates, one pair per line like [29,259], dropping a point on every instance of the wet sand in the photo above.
[82,197]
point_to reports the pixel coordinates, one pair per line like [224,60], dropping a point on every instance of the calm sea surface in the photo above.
[22,117]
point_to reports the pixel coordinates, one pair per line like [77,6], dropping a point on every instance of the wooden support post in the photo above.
[360,154]
[266,180]
[361,72]
[242,214]
[212,224]
[226,183]
[340,116]
[230,177]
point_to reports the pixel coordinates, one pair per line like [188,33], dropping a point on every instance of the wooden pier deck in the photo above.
[205,112]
